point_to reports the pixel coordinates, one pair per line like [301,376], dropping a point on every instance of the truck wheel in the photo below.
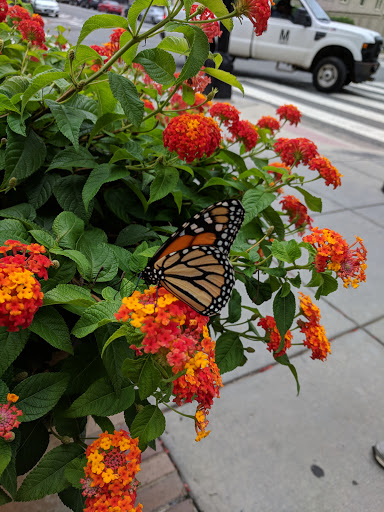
[329,74]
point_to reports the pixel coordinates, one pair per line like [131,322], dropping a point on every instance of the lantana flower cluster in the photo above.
[8,417]
[110,482]
[334,253]
[211,30]
[108,49]
[30,27]
[315,337]
[20,291]
[257,11]
[179,337]
[297,212]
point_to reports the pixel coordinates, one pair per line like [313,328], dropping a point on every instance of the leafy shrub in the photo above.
[105,150]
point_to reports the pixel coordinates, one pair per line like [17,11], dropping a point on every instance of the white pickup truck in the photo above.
[301,34]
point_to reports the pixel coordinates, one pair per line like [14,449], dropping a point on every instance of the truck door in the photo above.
[284,40]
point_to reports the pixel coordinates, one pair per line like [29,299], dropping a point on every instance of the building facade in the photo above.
[365,13]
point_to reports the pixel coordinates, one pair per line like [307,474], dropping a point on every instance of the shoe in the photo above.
[378,452]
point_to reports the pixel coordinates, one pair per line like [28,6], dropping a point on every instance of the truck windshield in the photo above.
[317,10]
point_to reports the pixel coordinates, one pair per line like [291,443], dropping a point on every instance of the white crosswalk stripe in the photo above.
[359,111]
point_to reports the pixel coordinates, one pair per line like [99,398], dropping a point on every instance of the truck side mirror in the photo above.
[301,17]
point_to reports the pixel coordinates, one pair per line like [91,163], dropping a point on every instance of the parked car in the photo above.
[48,7]
[110,6]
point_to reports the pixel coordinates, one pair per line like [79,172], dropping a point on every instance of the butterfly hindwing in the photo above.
[200,276]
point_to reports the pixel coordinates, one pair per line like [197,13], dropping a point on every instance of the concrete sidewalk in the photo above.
[269,450]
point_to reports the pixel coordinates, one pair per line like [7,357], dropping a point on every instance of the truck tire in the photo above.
[329,74]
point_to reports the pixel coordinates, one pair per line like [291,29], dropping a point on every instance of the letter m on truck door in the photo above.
[284,40]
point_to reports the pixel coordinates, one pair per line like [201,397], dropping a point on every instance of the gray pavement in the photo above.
[269,450]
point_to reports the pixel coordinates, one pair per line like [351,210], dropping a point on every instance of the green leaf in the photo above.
[174,44]
[329,285]
[16,122]
[40,393]
[71,157]
[131,369]
[130,54]
[314,203]
[133,234]
[11,345]
[68,120]
[214,182]
[199,49]
[229,352]
[83,54]
[255,201]
[95,316]
[137,7]
[83,265]
[149,378]
[48,476]
[126,93]
[40,81]
[101,21]
[102,261]
[23,156]
[68,228]
[40,189]
[158,64]
[257,291]
[148,425]
[104,423]
[101,399]
[67,192]
[5,454]
[73,499]
[225,77]
[284,360]
[316,279]
[6,104]
[51,326]
[138,262]
[275,271]
[296,281]
[234,307]
[121,332]
[63,274]
[165,181]
[287,251]
[274,219]
[69,294]
[284,308]
[75,472]
[4,498]
[34,441]
[219,9]
[72,427]
[43,238]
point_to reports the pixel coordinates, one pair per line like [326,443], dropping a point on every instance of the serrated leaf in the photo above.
[254,202]
[215,182]
[101,399]
[83,54]
[6,104]
[40,393]
[257,291]
[274,219]
[48,476]
[67,191]
[284,308]
[71,157]
[68,120]
[102,261]
[4,498]
[16,122]
[126,93]
[219,9]
[101,21]
[234,307]
[39,189]
[43,238]
[75,472]
[68,228]
[34,441]
[288,251]
[149,379]
[51,326]
[314,203]
[121,332]
[329,285]
[284,360]
[130,54]
[229,352]
[23,156]
[69,294]
[133,234]
[137,7]
[73,499]
[39,82]
[83,265]
[174,44]
[11,345]
[165,181]
[138,262]
[158,64]
[104,423]
[148,425]
[5,454]
[95,316]
[225,77]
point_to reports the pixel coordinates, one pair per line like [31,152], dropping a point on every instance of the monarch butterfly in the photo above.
[193,263]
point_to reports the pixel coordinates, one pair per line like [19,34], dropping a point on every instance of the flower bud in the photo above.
[29,45]
[1,44]
[212,94]
[200,9]
[12,182]
[139,407]
[255,316]
[21,376]
[66,440]
[80,86]
[3,141]
[71,54]
[10,437]
[249,349]
[56,263]
[270,230]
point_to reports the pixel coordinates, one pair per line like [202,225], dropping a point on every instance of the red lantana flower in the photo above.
[326,170]
[192,136]
[16,13]
[226,112]
[211,30]
[297,212]
[8,417]
[258,11]
[38,19]
[273,336]
[315,337]
[295,151]
[3,10]
[289,113]
[245,132]
[32,31]
[269,122]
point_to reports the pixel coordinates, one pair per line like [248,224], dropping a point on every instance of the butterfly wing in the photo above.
[217,225]
[200,276]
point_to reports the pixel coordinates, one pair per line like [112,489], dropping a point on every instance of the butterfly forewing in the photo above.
[200,276]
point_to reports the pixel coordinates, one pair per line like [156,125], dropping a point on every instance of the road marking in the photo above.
[362,100]
[316,113]
[371,87]
[322,100]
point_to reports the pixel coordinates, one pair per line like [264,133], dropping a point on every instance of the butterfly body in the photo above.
[193,263]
